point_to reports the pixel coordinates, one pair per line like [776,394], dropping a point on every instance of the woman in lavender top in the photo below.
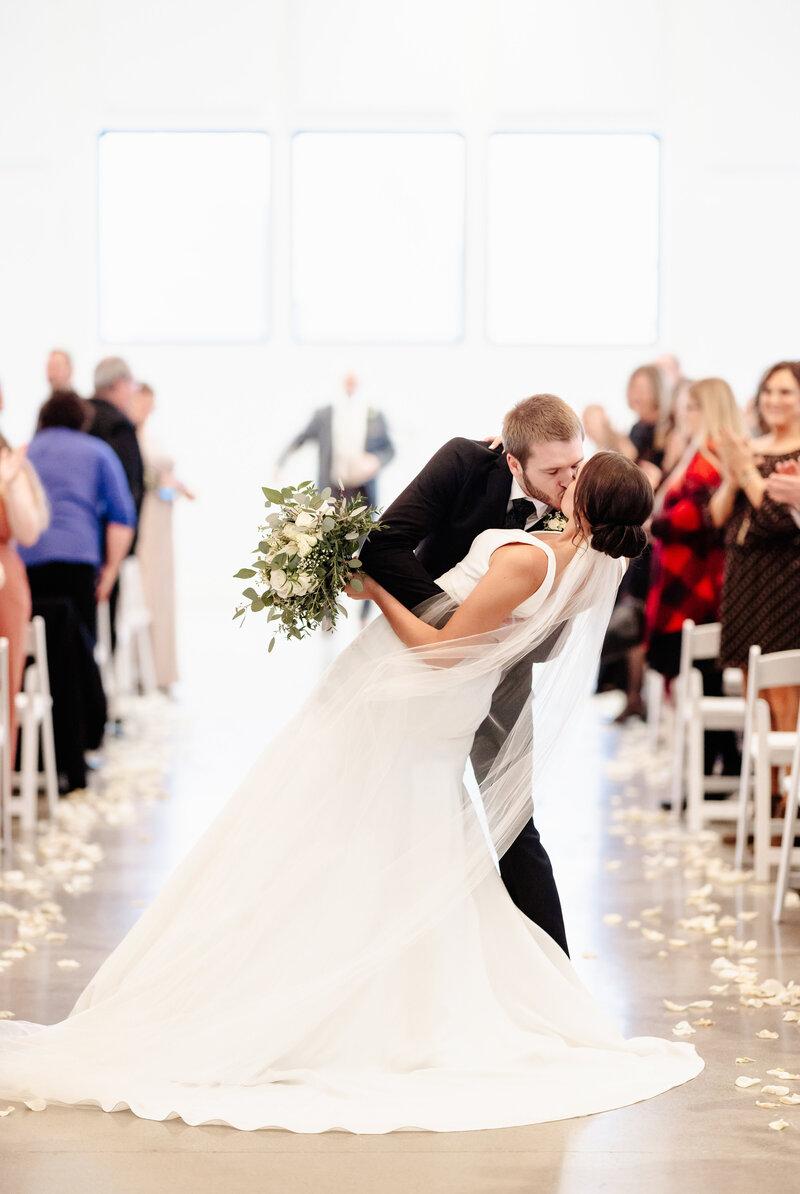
[92,511]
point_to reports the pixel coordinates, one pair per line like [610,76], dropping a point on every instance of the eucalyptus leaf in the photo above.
[271,645]
[354,563]
[357,584]
[244,573]
[256,604]
[272,495]
[251,594]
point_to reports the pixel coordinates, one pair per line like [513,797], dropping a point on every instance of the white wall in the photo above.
[715,78]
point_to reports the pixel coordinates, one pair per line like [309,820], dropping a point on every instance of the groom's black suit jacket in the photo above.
[461,491]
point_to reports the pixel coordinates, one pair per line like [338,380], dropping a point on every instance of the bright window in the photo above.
[183,237]
[378,237]
[573,238]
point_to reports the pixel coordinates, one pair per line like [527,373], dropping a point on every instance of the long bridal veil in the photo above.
[384,723]
[321,957]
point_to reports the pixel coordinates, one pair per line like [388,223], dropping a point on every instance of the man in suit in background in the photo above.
[467,488]
[353,442]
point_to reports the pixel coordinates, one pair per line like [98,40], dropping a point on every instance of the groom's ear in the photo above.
[514,465]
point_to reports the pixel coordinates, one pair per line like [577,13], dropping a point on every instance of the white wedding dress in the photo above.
[338,950]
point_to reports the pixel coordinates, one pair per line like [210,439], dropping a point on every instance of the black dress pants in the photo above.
[525,868]
[74,582]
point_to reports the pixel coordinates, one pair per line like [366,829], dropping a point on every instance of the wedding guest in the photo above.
[59,370]
[111,408]
[645,443]
[73,566]
[353,441]
[688,553]
[784,485]
[93,514]
[154,549]
[669,367]
[646,439]
[23,517]
[111,405]
[761,585]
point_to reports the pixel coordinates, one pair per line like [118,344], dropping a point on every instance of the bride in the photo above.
[338,949]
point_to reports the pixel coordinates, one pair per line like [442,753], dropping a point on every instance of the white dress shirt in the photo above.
[539,508]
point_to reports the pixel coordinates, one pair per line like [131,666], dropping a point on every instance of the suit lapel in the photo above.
[497,490]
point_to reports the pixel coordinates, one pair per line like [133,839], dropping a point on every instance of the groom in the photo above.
[464,489]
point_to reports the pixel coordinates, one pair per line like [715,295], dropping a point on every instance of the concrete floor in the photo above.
[627,880]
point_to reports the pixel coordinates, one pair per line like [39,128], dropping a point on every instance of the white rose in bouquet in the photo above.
[304,519]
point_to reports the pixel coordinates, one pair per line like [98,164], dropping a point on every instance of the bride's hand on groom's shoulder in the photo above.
[492,441]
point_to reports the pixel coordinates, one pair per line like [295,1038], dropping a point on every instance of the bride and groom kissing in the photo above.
[339,949]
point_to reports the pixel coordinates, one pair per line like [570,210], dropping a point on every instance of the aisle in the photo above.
[652,916]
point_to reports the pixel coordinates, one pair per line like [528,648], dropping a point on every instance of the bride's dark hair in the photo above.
[613,497]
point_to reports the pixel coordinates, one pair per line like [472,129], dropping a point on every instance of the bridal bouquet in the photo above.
[305,558]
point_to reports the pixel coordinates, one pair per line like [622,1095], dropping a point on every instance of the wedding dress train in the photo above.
[338,950]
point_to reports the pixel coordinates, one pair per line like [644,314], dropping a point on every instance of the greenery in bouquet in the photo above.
[304,559]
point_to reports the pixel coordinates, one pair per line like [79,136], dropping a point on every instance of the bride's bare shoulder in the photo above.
[521,559]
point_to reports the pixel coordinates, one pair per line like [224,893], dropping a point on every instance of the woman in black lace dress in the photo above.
[761,585]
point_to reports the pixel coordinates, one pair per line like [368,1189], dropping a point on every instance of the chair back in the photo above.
[778,669]
[37,675]
[699,642]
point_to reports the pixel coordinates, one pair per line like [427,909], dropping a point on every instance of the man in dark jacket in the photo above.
[111,404]
[114,388]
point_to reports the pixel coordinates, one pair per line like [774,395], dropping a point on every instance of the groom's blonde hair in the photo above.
[540,419]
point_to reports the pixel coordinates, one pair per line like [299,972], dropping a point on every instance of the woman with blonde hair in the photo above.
[688,552]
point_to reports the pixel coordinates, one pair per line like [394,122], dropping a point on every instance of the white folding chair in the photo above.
[654,703]
[134,668]
[34,707]
[6,747]
[104,657]
[791,828]
[764,748]
[696,713]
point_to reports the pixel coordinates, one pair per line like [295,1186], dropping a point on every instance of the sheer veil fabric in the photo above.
[338,950]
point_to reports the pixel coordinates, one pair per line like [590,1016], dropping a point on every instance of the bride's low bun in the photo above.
[616,539]
[613,498]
